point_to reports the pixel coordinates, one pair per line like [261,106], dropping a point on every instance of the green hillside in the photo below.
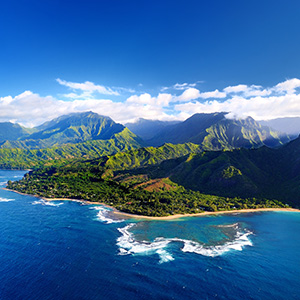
[261,173]
[91,180]
[72,128]
[27,159]
[146,181]
[10,131]
[216,132]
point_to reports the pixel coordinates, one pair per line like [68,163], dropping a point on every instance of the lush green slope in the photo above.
[27,159]
[168,179]
[262,173]
[73,128]
[216,132]
[149,156]
[145,181]
[134,194]
[10,131]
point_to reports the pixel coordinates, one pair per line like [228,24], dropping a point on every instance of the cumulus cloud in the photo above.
[260,108]
[289,86]
[281,100]
[236,88]
[247,91]
[213,94]
[189,94]
[30,109]
[192,93]
[161,100]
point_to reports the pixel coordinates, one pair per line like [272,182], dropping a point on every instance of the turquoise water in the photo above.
[68,250]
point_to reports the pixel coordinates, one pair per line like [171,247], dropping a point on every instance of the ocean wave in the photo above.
[48,203]
[129,245]
[103,215]
[3,182]
[234,225]
[241,240]
[6,199]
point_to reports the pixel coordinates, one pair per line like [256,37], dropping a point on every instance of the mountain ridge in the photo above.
[72,128]
[215,131]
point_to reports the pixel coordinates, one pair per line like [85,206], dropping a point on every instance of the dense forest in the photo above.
[110,165]
[127,193]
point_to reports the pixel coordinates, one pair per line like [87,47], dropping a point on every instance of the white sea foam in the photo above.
[129,245]
[241,240]
[3,182]
[6,199]
[103,215]
[48,203]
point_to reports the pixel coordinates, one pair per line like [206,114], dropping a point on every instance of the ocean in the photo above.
[70,250]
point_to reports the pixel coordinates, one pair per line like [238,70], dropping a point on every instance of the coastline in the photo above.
[170,217]
[203,214]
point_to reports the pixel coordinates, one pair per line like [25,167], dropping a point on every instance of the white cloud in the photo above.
[161,100]
[189,94]
[213,94]
[260,108]
[180,86]
[248,91]
[88,87]
[282,100]
[30,109]
[236,88]
[289,86]
[192,93]
[183,86]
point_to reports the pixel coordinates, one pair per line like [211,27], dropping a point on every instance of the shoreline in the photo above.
[206,213]
[170,217]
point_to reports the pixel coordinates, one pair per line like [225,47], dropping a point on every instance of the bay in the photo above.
[69,250]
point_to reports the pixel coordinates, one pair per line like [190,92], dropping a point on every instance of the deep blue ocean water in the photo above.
[67,250]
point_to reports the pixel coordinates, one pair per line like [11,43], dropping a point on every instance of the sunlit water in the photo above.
[69,250]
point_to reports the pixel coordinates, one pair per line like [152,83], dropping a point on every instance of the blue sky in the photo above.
[76,55]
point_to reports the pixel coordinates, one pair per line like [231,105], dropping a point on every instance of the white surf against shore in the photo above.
[47,203]
[103,215]
[129,245]
[6,199]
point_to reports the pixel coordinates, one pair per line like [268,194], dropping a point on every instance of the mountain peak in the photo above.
[216,132]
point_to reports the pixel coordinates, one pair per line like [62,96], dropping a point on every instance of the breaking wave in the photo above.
[48,203]
[104,215]
[6,199]
[241,240]
[129,245]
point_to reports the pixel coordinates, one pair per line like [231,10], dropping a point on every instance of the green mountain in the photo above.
[261,173]
[142,181]
[72,128]
[11,131]
[146,181]
[33,158]
[216,132]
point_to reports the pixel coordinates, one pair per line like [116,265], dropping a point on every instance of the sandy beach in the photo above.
[170,217]
[203,214]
